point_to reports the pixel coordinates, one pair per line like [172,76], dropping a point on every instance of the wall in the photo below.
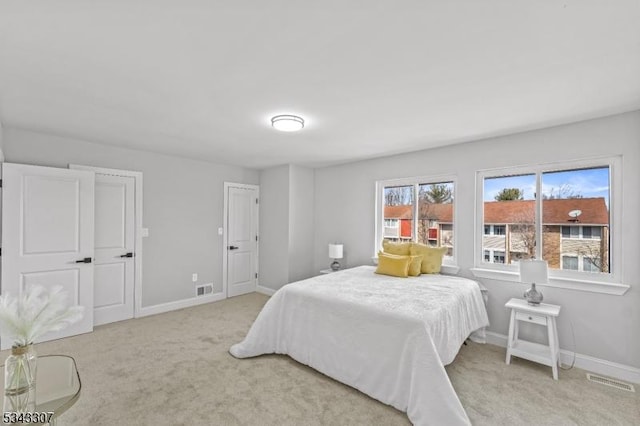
[274,227]
[1,145]
[606,327]
[301,222]
[286,225]
[183,206]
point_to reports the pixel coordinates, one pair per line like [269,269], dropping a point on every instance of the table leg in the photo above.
[553,348]
[510,338]
[555,328]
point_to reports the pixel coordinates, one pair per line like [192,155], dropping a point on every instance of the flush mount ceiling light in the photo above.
[287,123]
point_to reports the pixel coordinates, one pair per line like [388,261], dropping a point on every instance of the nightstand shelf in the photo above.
[544,315]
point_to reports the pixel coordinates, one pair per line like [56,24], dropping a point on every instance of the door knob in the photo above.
[85,260]
[127,255]
[233,248]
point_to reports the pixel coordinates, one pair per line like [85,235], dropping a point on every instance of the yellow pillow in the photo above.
[396,266]
[401,249]
[431,257]
[415,263]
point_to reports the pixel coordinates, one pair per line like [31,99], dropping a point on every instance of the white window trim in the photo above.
[609,283]
[449,265]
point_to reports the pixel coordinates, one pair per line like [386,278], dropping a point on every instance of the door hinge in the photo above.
[257,201]
[0,183]
[256,238]
[256,275]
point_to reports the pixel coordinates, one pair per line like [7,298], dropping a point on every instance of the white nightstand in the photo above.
[543,314]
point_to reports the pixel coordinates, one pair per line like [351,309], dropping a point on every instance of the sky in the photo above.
[588,183]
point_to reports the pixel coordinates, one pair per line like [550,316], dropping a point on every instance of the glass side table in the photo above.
[57,388]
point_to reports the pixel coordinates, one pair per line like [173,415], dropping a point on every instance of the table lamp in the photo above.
[533,271]
[335,253]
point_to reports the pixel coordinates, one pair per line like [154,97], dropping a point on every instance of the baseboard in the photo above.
[585,362]
[265,290]
[179,304]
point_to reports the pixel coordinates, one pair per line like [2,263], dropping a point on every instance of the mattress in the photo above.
[388,337]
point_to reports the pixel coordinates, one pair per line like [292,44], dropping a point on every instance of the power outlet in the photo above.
[194,278]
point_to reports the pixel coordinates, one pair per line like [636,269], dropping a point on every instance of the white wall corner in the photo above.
[265,290]
[584,362]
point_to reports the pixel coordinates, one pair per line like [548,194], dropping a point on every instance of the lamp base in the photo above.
[335,265]
[533,296]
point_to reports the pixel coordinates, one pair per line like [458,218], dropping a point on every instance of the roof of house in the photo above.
[556,211]
[440,212]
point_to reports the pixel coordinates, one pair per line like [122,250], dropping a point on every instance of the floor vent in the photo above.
[204,289]
[610,382]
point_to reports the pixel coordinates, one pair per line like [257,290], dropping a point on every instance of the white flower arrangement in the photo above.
[35,313]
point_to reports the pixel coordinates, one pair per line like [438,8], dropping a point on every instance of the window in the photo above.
[585,232]
[429,201]
[590,264]
[494,256]
[561,213]
[495,230]
[570,262]
[398,213]
[509,202]
[580,263]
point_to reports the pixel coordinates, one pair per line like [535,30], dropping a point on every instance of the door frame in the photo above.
[225,232]
[137,276]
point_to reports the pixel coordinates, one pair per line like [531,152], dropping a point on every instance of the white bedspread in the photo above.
[387,337]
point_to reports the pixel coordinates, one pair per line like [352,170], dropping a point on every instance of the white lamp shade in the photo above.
[335,251]
[534,271]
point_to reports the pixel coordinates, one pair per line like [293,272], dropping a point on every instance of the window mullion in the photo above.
[539,216]
[415,212]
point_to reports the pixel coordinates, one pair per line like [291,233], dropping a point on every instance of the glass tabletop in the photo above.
[57,385]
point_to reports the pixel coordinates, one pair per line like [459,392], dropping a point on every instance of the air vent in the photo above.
[610,382]
[204,289]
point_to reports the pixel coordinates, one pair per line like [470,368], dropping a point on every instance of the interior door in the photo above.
[47,238]
[242,240]
[114,248]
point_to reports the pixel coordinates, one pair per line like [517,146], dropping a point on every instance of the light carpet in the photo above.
[174,369]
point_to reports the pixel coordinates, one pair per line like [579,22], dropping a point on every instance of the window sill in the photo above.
[566,283]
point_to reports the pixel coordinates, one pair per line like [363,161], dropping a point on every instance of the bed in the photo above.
[387,337]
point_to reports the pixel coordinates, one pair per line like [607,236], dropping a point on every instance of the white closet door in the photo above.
[48,236]
[115,243]
[242,249]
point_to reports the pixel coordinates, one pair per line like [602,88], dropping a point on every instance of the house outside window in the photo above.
[419,210]
[569,225]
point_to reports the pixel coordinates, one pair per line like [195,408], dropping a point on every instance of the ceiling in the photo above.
[200,78]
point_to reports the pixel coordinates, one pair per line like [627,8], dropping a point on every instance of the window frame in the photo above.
[449,264]
[611,282]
